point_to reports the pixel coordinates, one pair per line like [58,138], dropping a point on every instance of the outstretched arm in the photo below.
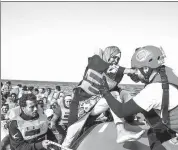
[17,141]
[129,71]
[122,109]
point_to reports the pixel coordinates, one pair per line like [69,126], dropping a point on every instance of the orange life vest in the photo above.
[31,129]
[93,77]
[169,79]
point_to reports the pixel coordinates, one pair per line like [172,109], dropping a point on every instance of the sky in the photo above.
[51,41]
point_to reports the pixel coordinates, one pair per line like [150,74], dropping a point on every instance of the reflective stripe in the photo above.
[91,89]
[96,77]
[32,132]
[93,76]
[33,128]
[64,117]
[85,86]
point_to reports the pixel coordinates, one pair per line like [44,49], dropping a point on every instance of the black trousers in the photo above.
[79,95]
[159,132]
[62,131]
[157,136]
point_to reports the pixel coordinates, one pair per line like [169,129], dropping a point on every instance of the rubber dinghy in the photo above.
[103,136]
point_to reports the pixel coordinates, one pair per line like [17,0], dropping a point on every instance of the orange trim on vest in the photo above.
[32,128]
[93,77]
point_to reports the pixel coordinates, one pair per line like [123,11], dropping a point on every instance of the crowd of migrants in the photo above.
[49,101]
[53,103]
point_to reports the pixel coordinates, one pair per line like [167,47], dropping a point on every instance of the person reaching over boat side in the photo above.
[157,101]
[105,63]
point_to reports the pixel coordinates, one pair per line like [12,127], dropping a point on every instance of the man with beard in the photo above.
[157,101]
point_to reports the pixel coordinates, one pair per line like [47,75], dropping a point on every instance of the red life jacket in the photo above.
[172,78]
[31,129]
[167,77]
[93,77]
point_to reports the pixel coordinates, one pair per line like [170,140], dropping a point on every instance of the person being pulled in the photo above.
[157,101]
[29,130]
[103,64]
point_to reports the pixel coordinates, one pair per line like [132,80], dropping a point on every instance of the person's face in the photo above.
[5,109]
[54,105]
[40,103]
[7,84]
[49,91]
[44,99]
[40,91]
[49,118]
[31,108]
[114,60]
[13,97]
[140,75]
[36,92]
[68,101]
[43,91]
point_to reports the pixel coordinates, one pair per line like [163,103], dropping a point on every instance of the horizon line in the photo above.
[58,81]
